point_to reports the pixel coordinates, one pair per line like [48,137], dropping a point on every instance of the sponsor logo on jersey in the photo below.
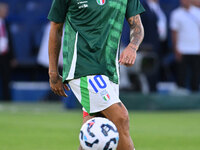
[101,2]
[82,4]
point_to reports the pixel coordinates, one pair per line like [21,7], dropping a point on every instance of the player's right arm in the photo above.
[55,79]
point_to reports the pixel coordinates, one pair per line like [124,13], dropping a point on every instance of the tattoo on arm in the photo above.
[136,30]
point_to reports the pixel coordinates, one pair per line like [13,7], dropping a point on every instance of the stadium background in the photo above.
[37,119]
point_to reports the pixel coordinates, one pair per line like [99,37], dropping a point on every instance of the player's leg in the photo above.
[118,114]
[97,94]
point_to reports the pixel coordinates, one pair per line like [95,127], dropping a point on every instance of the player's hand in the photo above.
[128,56]
[57,85]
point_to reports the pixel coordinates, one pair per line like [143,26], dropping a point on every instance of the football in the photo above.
[99,134]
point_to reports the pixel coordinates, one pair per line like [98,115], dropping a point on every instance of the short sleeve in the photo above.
[134,7]
[58,11]
[174,25]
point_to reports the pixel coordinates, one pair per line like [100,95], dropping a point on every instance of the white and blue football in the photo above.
[99,134]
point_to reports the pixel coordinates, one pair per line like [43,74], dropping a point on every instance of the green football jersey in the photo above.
[92,34]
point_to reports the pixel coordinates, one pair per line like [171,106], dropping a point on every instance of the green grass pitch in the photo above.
[50,127]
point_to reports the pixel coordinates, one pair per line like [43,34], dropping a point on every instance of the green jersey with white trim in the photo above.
[92,34]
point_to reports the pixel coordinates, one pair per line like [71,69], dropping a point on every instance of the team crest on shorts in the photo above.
[101,2]
[105,95]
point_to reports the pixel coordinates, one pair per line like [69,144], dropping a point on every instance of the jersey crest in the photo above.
[101,2]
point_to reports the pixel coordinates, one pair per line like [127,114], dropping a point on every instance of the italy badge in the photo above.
[106,97]
[101,2]
[104,94]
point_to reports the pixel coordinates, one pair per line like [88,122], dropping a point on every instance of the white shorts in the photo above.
[95,92]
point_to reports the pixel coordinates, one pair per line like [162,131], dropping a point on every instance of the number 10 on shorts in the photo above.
[97,82]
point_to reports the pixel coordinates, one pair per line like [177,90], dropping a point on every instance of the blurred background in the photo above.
[162,88]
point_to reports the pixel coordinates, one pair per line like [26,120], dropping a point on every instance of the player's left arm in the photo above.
[128,55]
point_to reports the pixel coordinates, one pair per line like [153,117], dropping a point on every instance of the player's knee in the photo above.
[123,121]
